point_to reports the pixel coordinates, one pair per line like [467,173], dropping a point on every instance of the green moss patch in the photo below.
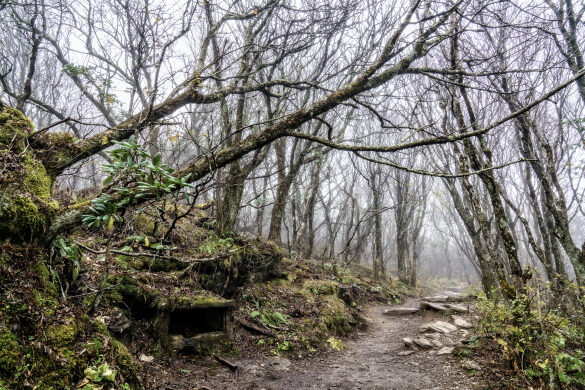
[10,353]
[25,188]
[322,287]
[14,129]
[63,335]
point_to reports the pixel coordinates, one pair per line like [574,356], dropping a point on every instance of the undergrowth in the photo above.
[542,345]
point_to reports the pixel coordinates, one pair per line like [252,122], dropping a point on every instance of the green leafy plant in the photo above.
[133,174]
[214,244]
[70,251]
[95,376]
[335,343]
[284,346]
[270,317]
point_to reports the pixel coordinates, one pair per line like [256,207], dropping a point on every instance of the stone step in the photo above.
[423,342]
[433,306]
[458,308]
[438,326]
[444,298]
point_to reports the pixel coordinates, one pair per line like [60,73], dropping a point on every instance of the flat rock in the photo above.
[433,336]
[146,358]
[436,343]
[445,351]
[470,365]
[433,306]
[423,342]
[436,298]
[461,323]
[400,311]
[447,342]
[457,308]
[438,326]
[407,341]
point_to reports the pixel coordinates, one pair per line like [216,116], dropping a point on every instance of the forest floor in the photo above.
[371,359]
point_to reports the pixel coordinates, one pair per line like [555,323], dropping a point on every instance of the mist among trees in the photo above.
[421,139]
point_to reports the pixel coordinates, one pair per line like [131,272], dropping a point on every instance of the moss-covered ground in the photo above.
[46,341]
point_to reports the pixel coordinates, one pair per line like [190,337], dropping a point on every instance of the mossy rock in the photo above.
[322,287]
[25,188]
[143,224]
[63,363]
[335,317]
[202,299]
[127,364]
[249,259]
[44,342]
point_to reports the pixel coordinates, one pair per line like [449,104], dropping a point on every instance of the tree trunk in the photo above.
[377,208]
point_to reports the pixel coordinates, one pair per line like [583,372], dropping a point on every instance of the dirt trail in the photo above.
[369,361]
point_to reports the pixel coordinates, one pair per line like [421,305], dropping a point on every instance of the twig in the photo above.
[90,293]
[48,127]
[226,363]
[255,329]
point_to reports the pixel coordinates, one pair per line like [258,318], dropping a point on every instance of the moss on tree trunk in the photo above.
[26,205]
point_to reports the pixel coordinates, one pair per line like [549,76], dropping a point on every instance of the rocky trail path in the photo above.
[404,347]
